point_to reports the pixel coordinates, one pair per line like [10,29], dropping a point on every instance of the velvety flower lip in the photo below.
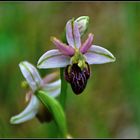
[35,82]
[62,56]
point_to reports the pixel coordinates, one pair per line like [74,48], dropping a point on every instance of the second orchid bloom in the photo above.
[35,82]
[75,56]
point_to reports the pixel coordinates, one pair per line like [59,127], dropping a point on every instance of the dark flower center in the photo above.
[77,77]
[44,115]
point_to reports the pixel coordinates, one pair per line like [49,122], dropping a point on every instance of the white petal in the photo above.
[53,59]
[31,75]
[28,113]
[99,55]
[53,88]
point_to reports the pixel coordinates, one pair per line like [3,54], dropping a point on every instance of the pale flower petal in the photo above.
[53,59]
[76,33]
[99,55]
[53,88]
[28,113]
[73,34]
[31,75]
[69,33]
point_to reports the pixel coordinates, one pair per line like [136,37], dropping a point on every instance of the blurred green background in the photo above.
[110,105]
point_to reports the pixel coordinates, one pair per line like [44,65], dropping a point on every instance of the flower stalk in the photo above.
[63,93]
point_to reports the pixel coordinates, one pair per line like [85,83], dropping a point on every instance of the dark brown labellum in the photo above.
[44,115]
[77,77]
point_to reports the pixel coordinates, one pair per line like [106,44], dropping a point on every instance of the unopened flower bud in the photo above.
[82,24]
[24,84]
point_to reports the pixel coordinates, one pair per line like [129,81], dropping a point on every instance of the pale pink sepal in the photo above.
[99,55]
[28,113]
[31,75]
[53,59]
[73,34]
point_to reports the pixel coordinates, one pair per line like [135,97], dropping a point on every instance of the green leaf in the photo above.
[55,108]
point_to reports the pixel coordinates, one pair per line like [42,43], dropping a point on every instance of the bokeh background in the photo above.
[110,105]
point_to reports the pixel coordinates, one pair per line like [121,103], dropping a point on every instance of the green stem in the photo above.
[63,89]
[63,94]
[52,130]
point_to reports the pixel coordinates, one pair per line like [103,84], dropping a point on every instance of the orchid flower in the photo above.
[75,56]
[35,82]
